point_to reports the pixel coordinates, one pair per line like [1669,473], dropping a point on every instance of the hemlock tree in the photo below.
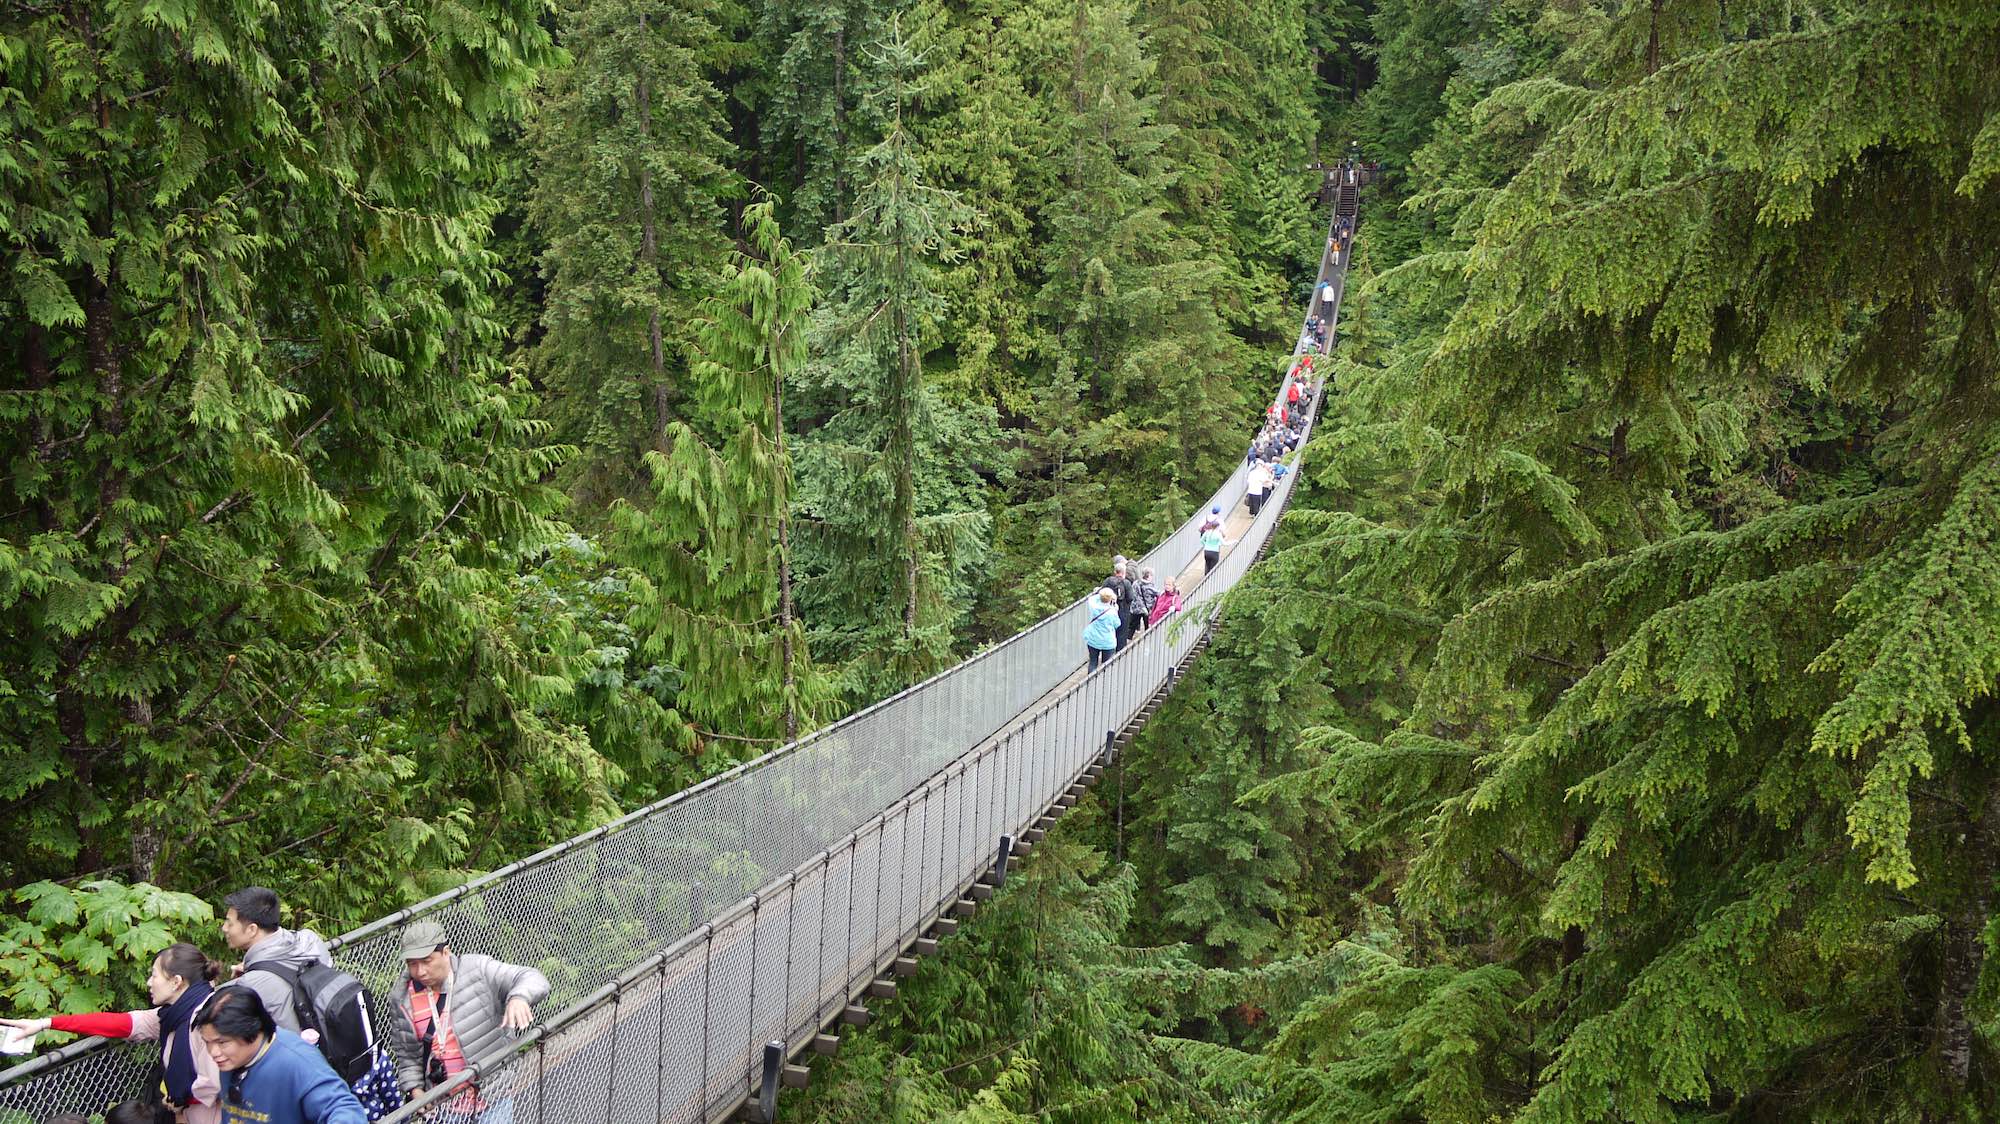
[713,548]
[630,174]
[891,551]
[814,117]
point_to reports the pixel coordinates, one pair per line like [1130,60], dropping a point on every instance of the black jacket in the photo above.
[1127,590]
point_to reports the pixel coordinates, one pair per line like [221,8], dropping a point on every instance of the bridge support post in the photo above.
[697,904]
[1110,745]
[767,1091]
[1000,860]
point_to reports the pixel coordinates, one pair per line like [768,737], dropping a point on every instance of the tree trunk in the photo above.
[784,501]
[147,843]
[1573,940]
[101,353]
[1964,952]
[649,253]
[840,123]
[35,364]
[905,454]
[1653,40]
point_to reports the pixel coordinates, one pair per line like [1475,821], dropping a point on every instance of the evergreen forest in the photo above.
[434,428]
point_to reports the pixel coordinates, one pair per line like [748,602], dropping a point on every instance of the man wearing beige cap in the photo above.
[456,1009]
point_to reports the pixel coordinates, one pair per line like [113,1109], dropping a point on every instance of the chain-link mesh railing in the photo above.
[725,992]
[847,843]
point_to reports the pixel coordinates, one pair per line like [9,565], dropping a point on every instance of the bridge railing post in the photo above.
[767,1091]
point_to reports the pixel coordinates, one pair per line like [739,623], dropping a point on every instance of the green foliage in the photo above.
[887,564]
[1057,1034]
[262,455]
[630,170]
[715,598]
[89,947]
[1652,578]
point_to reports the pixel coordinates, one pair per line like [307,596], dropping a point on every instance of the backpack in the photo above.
[339,1007]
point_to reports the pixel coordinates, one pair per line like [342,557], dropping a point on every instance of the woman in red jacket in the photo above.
[182,979]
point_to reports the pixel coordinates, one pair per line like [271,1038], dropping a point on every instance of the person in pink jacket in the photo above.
[1166,604]
[182,979]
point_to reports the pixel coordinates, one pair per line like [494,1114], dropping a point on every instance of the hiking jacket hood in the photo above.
[286,948]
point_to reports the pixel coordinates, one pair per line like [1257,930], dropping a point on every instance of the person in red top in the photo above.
[1166,605]
[182,979]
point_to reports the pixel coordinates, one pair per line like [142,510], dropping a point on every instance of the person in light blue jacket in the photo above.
[1100,630]
[270,1075]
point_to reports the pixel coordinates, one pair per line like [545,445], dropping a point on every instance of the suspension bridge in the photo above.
[701,945]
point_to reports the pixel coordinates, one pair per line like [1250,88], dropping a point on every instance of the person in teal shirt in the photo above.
[1212,543]
[1100,630]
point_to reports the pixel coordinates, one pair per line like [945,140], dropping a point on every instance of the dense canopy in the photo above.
[431,429]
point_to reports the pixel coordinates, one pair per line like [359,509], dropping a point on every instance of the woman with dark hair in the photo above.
[140,1112]
[270,1075]
[182,979]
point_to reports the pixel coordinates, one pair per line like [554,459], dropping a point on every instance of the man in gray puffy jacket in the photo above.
[250,926]
[455,1009]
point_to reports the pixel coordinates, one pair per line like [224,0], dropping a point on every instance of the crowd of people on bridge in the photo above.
[285,1037]
[1124,606]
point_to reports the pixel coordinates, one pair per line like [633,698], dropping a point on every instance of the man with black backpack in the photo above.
[1120,583]
[292,972]
[250,925]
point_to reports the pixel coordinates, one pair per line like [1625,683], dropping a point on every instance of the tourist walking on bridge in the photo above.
[269,1074]
[1259,483]
[457,1008]
[1212,543]
[182,979]
[1100,629]
[1149,595]
[1168,604]
[1120,582]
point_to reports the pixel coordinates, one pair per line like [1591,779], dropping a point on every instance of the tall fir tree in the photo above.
[1131,303]
[815,118]
[714,547]
[631,170]
[886,473]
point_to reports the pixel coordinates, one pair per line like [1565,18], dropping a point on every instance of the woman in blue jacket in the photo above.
[270,1076]
[1100,631]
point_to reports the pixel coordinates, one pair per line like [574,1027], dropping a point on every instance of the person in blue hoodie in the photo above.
[270,1075]
[1100,629]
